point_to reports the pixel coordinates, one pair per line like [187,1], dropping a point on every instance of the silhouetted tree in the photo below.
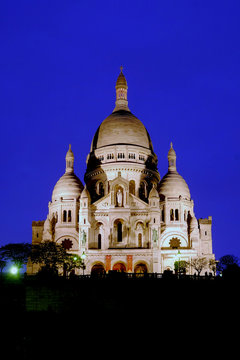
[198,264]
[180,266]
[213,265]
[2,265]
[72,262]
[18,254]
[225,261]
[49,255]
[228,266]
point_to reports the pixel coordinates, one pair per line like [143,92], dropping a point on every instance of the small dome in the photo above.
[153,193]
[85,194]
[173,185]
[68,187]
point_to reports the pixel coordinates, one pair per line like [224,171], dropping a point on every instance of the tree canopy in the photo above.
[48,254]
[18,254]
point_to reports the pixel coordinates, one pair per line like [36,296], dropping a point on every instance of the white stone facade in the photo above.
[125,218]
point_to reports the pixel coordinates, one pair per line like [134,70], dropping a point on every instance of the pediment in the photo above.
[136,203]
[119,180]
[103,203]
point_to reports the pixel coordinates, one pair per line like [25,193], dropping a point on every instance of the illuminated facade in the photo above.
[125,218]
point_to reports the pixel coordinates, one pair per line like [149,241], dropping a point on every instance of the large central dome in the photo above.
[121,127]
[121,145]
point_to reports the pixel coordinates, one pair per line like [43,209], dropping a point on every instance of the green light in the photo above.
[14,270]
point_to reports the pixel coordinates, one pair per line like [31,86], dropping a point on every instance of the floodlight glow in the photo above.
[14,270]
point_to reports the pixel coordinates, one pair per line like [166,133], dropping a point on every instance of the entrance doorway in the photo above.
[140,268]
[98,269]
[119,267]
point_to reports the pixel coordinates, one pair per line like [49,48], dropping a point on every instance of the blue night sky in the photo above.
[59,64]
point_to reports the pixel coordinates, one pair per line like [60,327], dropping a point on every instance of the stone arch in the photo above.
[166,238]
[119,195]
[141,267]
[100,188]
[97,269]
[119,230]
[98,235]
[137,222]
[140,232]
[119,183]
[120,266]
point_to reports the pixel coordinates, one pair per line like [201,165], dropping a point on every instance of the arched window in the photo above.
[110,156]
[142,191]
[99,241]
[101,189]
[140,240]
[64,215]
[69,216]
[176,215]
[119,232]
[171,215]
[132,187]
[163,215]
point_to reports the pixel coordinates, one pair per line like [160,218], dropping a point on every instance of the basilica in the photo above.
[126,217]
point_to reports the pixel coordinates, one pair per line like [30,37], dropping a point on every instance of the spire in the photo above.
[69,160]
[172,159]
[121,92]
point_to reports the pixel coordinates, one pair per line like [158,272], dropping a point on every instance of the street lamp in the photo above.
[14,270]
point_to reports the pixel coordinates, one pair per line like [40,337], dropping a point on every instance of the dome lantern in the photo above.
[172,159]
[172,184]
[121,93]
[68,186]
[69,160]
